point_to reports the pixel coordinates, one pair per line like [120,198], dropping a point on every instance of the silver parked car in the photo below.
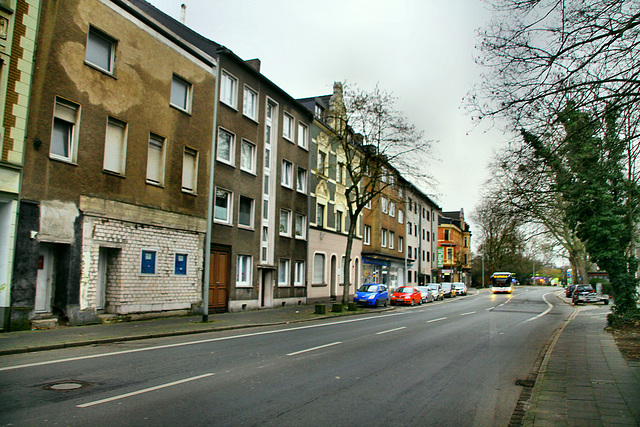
[427,296]
[436,291]
[461,288]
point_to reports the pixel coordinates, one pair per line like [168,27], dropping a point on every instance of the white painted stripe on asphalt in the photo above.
[490,308]
[436,320]
[390,330]
[466,314]
[146,390]
[161,347]
[314,348]
[550,306]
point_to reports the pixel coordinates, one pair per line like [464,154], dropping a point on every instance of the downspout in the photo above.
[212,164]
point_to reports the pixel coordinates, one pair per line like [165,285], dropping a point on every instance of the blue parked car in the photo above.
[372,294]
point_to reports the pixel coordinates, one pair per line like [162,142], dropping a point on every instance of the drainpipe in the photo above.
[212,164]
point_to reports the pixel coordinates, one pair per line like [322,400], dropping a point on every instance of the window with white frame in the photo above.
[226,147]
[287,126]
[400,216]
[383,238]
[283,272]
[243,270]
[101,50]
[245,212]
[287,174]
[392,209]
[384,205]
[366,239]
[155,160]
[64,134]
[181,94]
[250,103]
[285,222]
[115,146]
[318,268]
[228,89]
[299,271]
[148,261]
[392,238]
[339,173]
[189,170]
[368,204]
[300,226]
[321,162]
[248,157]
[223,206]
[339,220]
[301,183]
[320,215]
[303,135]
[400,244]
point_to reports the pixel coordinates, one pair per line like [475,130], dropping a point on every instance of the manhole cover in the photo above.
[66,385]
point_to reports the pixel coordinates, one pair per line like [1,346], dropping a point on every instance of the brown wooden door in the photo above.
[218,281]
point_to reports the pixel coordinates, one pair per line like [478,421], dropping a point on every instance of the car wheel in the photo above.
[413,303]
[606,302]
[385,303]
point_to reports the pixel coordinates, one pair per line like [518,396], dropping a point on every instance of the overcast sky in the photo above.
[420,50]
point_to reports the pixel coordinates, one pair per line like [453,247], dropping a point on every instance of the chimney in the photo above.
[255,63]
[183,12]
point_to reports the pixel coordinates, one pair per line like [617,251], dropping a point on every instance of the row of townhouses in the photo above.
[146,168]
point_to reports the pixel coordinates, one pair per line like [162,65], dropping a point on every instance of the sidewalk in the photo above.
[584,380]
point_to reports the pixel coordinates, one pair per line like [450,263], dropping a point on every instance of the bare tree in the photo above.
[376,143]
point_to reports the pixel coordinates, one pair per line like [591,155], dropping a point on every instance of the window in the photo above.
[226,146]
[392,209]
[321,162]
[400,243]
[320,215]
[401,217]
[248,156]
[245,212]
[301,184]
[287,174]
[298,279]
[283,272]
[115,146]
[392,237]
[64,137]
[368,204]
[319,112]
[367,235]
[250,103]
[446,234]
[148,262]
[287,126]
[285,222]
[223,205]
[180,94]
[339,173]
[384,204]
[318,268]
[155,160]
[301,225]
[339,219]
[383,238]
[243,270]
[303,135]
[228,89]
[409,227]
[189,170]
[101,50]
[409,251]
[180,265]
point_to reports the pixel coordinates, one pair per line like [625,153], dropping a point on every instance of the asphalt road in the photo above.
[445,363]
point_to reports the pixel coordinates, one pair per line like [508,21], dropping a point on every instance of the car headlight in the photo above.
[372,296]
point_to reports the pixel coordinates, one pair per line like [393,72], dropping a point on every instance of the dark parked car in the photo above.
[372,294]
[406,295]
[569,291]
[449,290]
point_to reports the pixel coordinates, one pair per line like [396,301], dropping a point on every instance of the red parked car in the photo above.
[406,295]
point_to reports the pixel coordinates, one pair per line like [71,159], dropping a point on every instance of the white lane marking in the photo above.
[314,348]
[436,320]
[161,347]
[146,390]
[550,306]
[466,314]
[490,308]
[390,330]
